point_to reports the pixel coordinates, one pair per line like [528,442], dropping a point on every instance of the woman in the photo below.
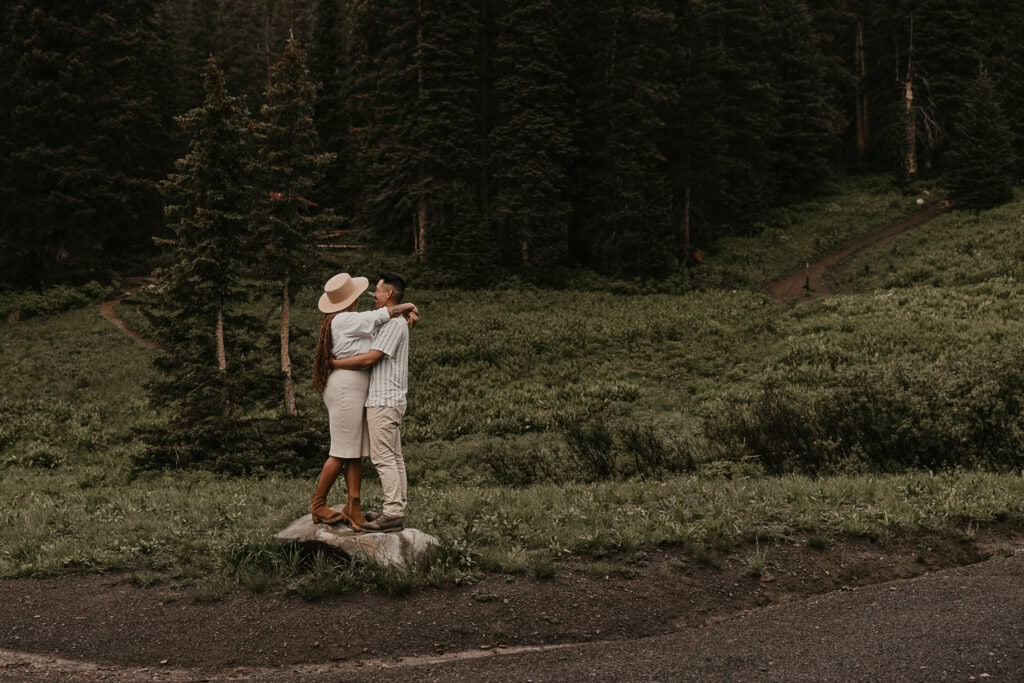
[345,332]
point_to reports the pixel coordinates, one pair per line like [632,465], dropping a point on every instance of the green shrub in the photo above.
[29,304]
[965,412]
[592,450]
[294,445]
[601,451]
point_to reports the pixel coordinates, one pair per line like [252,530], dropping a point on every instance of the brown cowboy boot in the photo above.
[353,513]
[353,481]
[318,509]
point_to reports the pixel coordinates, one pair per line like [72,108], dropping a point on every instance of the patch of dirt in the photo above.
[98,626]
[810,281]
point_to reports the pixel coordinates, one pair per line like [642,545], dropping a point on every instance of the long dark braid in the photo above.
[322,360]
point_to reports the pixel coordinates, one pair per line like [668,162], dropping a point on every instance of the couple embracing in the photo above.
[362,369]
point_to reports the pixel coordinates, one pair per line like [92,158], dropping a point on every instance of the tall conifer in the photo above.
[206,364]
[982,160]
[82,139]
[625,216]
[288,166]
[530,143]
[384,87]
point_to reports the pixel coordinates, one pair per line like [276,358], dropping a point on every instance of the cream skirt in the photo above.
[345,397]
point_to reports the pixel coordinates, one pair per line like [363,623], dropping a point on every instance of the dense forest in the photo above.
[487,135]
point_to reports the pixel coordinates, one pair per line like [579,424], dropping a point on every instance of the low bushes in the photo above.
[29,304]
[963,413]
[590,451]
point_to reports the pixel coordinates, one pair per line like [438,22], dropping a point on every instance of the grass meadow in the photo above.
[554,425]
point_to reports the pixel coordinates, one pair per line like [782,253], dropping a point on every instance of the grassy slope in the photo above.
[507,370]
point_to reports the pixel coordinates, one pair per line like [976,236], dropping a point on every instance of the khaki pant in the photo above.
[386,455]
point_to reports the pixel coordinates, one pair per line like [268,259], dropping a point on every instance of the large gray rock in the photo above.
[399,549]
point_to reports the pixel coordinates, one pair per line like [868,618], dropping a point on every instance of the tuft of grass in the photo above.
[484,596]
[213,589]
[819,542]
[757,561]
[544,570]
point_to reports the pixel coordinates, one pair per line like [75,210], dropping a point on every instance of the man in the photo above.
[385,402]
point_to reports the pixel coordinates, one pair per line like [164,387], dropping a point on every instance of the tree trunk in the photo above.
[686,221]
[486,80]
[910,131]
[286,360]
[910,120]
[420,225]
[222,359]
[419,221]
[861,95]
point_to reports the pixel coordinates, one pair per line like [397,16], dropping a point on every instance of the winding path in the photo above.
[108,309]
[810,281]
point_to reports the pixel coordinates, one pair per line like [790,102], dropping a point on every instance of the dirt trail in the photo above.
[108,309]
[810,281]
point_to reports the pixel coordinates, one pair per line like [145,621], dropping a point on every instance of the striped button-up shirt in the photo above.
[389,380]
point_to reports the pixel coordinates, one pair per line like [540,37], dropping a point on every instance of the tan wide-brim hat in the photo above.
[340,291]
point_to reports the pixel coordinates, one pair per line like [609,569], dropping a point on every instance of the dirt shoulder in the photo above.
[92,627]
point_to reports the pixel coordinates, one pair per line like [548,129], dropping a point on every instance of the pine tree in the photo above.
[947,49]
[445,133]
[1003,50]
[206,365]
[417,131]
[383,88]
[329,58]
[725,123]
[288,166]
[625,211]
[982,160]
[808,122]
[82,141]
[530,143]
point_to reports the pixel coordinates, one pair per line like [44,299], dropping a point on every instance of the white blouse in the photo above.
[352,332]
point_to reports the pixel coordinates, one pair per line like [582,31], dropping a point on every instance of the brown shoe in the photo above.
[352,514]
[384,523]
[322,514]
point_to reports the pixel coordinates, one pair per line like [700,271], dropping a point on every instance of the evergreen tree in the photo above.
[207,364]
[839,30]
[418,132]
[808,121]
[249,34]
[329,58]
[189,30]
[383,86]
[982,160]
[1002,25]
[947,50]
[288,166]
[696,138]
[625,211]
[82,141]
[530,142]
[723,133]
[445,133]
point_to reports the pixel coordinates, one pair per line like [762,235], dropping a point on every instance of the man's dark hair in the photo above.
[395,282]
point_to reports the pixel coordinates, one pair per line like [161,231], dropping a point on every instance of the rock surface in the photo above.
[398,549]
